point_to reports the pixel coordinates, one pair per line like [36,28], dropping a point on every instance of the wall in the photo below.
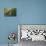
[7,24]
[32,11]
[28,12]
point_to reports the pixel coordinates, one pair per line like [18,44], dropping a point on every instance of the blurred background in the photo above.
[28,12]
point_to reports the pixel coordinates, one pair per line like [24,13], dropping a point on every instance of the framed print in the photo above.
[9,11]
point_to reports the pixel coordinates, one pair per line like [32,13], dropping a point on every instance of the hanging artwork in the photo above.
[9,11]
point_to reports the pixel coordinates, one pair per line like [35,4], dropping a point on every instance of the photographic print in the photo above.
[9,11]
